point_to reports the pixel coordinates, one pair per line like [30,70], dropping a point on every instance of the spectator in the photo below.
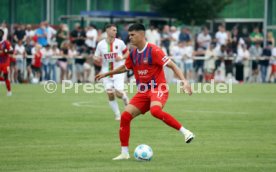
[124,34]
[20,34]
[185,35]
[51,33]
[72,54]
[166,38]
[188,61]
[29,32]
[41,34]
[36,64]
[177,53]
[273,65]
[62,62]
[6,31]
[174,36]
[53,62]
[255,54]
[62,35]
[28,47]
[235,40]
[20,54]
[47,54]
[256,36]
[153,36]
[241,60]
[209,64]
[204,39]
[245,36]
[91,38]
[221,36]
[77,37]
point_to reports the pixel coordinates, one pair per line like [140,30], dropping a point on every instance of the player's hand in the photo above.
[100,76]
[187,89]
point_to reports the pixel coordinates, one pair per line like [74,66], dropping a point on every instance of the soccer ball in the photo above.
[143,153]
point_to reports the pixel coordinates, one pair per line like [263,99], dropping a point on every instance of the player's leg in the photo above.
[108,85]
[130,112]
[139,104]
[158,100]
[7,81]
[119,89]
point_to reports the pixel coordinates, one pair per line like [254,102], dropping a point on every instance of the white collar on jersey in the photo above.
[143,48]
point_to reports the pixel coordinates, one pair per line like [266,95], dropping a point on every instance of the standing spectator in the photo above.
[124,34]
[77,37]
[153,36]
[41,34]
[185,35]
[209,64]
[47,54]
[5,30]
[255,54]
[36,64]
[29,32]
[245,36]
[91,38]
[188,61]
[20,34]
[20,54]
[221,36]
[174,36]
[53,62]
[166,38]
[62,34]
[177,53]
[273,65]
[51,33]
[204,39]
[72,54]
[256,36]
[62,62]
[28,47]
[235,40]
[242,58]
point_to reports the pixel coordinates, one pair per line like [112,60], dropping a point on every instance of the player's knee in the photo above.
[156,111]
[126,117]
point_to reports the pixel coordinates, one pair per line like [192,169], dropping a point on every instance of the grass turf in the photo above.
[77,132]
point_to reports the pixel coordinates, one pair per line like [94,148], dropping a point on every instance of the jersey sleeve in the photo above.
[98,51]
[128,63]
[123,47]
[159,58]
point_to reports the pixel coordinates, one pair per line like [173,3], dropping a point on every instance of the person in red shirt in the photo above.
[36,63]
[5,51]
[147,62]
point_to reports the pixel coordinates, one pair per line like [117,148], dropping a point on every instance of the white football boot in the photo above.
[122,156]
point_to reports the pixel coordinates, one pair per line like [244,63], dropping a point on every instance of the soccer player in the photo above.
[113,52]
[147,62]
[5,51]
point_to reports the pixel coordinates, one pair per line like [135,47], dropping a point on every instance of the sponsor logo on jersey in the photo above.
[110,56]
[142,72]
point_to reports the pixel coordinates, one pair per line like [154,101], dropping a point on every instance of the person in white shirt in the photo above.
[242,63]
[177,53]
[188,60]
[153,36]
[175,35]
[51,33]
[221,36]
[91,38]
[20,54]
[204,39]
[112,52]
[5,30]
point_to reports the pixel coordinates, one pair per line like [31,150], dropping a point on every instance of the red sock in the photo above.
[125,128]
[8,85]
[157,112]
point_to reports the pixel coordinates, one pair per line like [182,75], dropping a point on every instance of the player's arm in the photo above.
[186,87]
[118,70]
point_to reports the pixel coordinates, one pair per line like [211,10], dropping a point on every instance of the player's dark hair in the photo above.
[2,31]
[110,25]
[136,27]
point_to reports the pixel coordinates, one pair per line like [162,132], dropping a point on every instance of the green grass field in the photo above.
[77,132]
